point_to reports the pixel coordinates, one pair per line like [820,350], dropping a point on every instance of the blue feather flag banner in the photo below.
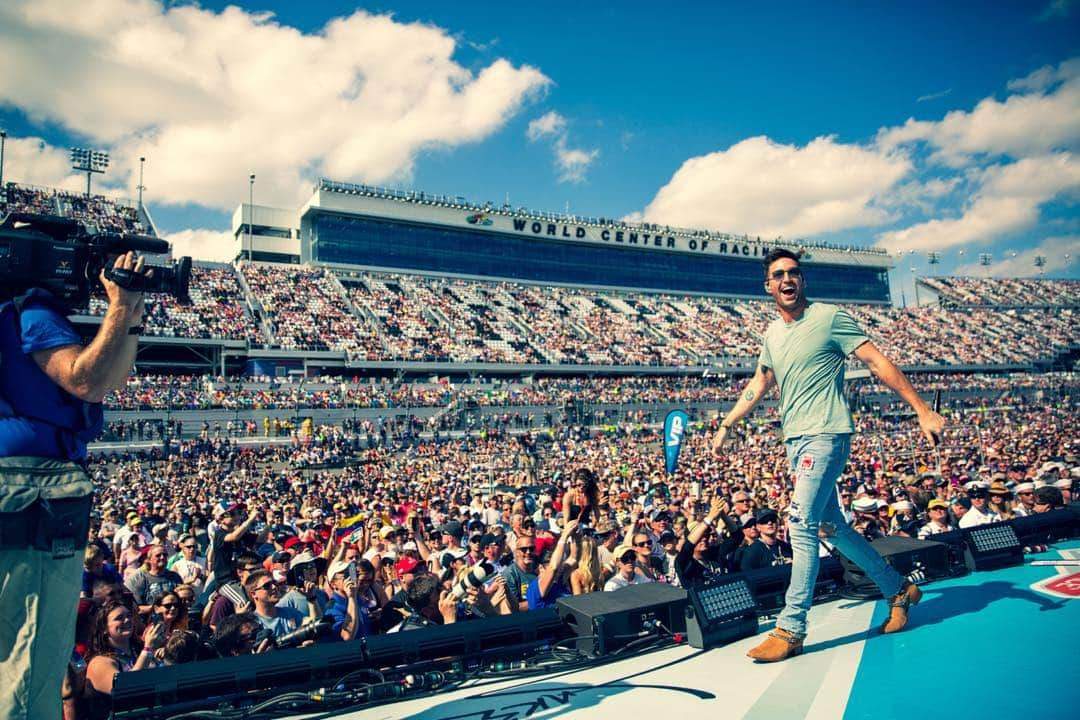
[675,425]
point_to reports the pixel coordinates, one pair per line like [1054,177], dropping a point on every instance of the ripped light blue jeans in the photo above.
[816,462]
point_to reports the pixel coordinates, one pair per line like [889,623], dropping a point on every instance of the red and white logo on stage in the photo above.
[806,463]
[1065,584]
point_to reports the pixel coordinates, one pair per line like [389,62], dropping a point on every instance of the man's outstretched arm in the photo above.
[759,384]
[884,370]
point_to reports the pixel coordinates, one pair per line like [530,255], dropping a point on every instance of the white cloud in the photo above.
[548,124]
[1046,77]
[1008,200]
[933,96]
[31,161]
[1060,253]
[203,244]
[572,163]
[760,187]
[210,97]
[1044,118]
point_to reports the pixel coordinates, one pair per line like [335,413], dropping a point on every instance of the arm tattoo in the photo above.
[748,396]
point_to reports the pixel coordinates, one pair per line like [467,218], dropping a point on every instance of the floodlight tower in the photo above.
[89,162]
[985,259]
[251,212]
[142,162]
[1040,262]
[3,137]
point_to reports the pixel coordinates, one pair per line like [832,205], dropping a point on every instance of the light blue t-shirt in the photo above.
[807,356]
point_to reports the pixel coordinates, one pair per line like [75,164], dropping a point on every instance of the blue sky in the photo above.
[950,127]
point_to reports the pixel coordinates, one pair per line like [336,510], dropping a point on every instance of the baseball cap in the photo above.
[747,520]
[406,564]
[450,556]
[452,528]
[937,503]
[338,566]
[766,514]
[864,505]
[224,507]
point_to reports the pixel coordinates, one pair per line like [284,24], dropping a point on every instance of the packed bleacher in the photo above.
[393,317]
[1004,292]
[99,213]
[205,392]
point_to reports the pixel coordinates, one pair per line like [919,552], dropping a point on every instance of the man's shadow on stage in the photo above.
[942,603]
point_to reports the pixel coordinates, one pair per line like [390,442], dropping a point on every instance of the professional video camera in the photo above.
[307,631]
[58,254]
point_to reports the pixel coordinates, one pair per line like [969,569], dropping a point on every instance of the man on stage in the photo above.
[804,352]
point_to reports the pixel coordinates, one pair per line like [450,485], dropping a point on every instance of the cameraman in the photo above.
[51,388]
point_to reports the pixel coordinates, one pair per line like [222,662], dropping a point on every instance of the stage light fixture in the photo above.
[720,611]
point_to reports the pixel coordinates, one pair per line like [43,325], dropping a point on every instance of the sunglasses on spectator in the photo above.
[766,522]
[268,586]
[168,606]
[643,543]
[189,546]
[527,550]
[793,273]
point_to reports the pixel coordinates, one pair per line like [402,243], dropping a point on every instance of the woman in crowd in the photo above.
[1001,500]
[131,559]
[369,590]
[588,576]
[171,611]
[113,650]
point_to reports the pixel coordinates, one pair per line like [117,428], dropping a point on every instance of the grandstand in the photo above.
[326,316]
[98,213]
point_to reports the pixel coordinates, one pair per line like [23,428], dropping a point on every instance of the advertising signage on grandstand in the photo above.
[637,238]
[354,225]
[640,236]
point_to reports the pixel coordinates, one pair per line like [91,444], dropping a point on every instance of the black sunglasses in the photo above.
[793,273]
[267,585]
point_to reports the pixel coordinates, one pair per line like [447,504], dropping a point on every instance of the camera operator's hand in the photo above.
[126,300]
[350,587]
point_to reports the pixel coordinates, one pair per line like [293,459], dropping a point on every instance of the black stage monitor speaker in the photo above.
[769,585]
[993,546]
[1048,527]
[720,610]
[606,621]
[918,560]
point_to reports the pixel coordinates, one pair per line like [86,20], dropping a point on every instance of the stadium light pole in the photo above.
[985,259]
[142,162]
[3,137]
[1040,262]
[251,211]
[89,162]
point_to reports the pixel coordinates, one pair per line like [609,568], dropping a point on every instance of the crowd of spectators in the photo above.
[354,530]
[389,317]
[306,309]
[98,213]
[1004,292]
[206,392]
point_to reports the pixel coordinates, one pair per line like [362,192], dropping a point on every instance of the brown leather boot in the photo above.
[779,645]
[909,595]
